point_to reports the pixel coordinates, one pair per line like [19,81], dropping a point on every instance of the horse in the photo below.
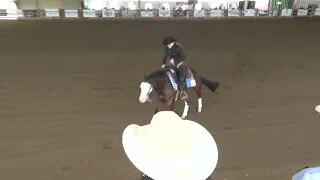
[163,84]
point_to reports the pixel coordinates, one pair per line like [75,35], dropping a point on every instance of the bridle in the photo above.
[150,92]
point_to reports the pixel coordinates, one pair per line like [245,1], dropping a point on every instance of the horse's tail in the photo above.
[212,85]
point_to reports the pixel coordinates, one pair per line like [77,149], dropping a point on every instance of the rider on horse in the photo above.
[174,57]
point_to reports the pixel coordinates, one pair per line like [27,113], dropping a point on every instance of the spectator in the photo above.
[171,148]
[308,174]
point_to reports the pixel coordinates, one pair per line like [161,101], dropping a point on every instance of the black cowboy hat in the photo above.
[169,39]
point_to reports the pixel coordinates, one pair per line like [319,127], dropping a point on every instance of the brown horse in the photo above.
[163,84]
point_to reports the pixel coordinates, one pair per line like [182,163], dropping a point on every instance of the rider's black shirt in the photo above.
[176,52]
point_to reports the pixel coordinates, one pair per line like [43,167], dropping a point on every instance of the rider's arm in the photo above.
[165,57]
[181,54]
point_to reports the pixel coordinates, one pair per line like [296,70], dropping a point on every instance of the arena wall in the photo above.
[46,4]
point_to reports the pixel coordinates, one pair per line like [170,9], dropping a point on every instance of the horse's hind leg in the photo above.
[185,110]
[199,95]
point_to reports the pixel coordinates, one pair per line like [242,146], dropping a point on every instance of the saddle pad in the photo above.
[190,82]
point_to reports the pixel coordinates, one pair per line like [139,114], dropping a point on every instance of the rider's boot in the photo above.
[183,94]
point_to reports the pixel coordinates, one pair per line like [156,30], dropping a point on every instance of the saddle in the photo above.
[189,80]
[189,73]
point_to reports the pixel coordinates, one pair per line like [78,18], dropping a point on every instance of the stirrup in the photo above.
[183,95]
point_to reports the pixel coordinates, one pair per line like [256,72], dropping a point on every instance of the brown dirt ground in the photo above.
[69,88]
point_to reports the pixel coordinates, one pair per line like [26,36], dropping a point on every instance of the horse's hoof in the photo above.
[199,110]
[183,117]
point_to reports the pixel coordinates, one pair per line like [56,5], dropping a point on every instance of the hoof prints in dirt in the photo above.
[65,168]
[111,145]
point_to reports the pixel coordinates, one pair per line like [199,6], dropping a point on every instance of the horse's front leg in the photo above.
[171,105]
[185,110]
[158,106]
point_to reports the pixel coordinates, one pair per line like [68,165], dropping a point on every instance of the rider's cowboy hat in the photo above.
[169,39]
[170,148]
[308,174]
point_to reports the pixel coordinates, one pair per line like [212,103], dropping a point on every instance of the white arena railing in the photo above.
[154,14]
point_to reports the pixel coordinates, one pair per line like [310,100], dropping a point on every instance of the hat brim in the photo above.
[167,43]
[169,40]
[197,162]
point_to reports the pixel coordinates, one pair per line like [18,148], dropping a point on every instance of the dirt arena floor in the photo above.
[69,88]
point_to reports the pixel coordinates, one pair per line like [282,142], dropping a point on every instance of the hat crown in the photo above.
[166,134]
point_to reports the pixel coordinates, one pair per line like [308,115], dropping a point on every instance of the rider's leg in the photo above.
[181,78]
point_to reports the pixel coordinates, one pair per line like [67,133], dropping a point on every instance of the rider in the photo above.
[174,53]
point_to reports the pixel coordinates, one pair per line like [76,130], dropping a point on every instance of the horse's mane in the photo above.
[156,74]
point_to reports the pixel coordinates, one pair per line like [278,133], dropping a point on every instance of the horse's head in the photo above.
[151,83]
[146,89]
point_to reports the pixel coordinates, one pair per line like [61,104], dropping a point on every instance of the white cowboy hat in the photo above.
[308,174]
[170,148]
